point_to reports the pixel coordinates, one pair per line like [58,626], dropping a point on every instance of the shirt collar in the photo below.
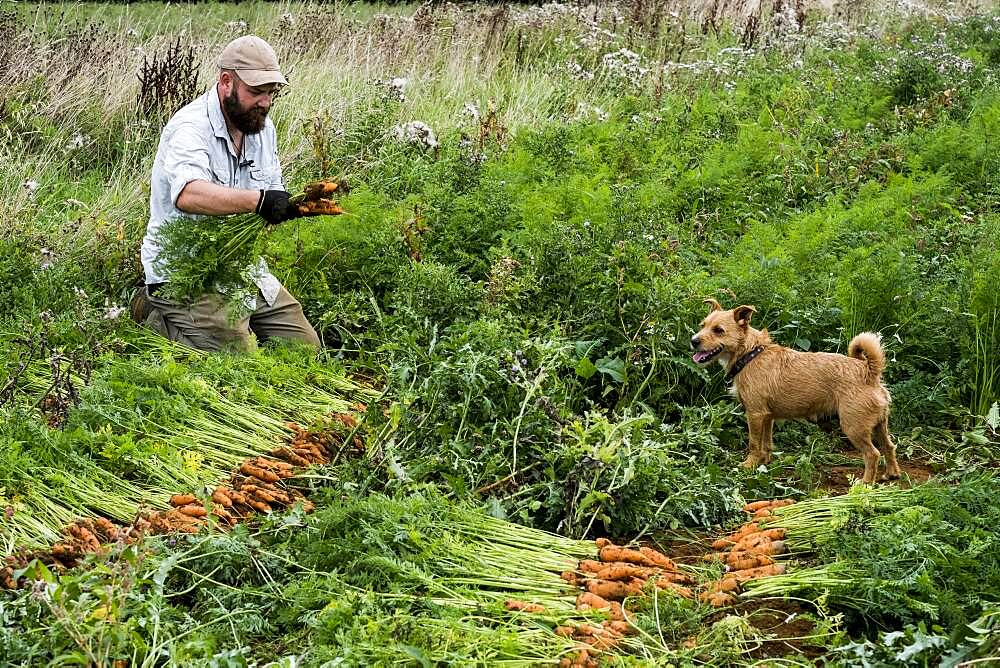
[215,114]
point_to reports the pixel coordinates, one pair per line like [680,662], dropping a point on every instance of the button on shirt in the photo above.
[195,145]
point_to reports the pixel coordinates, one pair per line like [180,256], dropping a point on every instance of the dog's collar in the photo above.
[743,361]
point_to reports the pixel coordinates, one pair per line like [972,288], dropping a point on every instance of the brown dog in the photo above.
[778,383]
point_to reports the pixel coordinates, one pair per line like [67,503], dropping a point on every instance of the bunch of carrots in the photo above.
[315,199]
[748,553]
[255,487]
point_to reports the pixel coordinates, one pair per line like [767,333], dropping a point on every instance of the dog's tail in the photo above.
[867,347]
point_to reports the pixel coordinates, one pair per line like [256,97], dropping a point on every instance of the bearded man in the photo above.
[218,156]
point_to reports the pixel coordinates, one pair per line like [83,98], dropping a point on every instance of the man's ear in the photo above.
[716,306]
[742,315]
[227,79]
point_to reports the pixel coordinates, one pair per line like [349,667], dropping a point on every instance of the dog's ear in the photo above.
[742,315]
[716,306]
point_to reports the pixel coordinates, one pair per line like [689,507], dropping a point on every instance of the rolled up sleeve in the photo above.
[185,159]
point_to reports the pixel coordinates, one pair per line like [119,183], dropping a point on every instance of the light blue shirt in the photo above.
[195,145]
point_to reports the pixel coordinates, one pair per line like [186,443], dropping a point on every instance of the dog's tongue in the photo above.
[699,357]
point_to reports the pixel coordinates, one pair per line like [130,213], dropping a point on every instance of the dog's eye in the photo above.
[718,330]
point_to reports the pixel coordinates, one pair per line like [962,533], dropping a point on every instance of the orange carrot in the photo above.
[615,553]
[523,606]
[759,572]
[625,572]
[569,576]
[657,558]
[602,542]
[673,576]
[259,506]
[720,599]
[320,207]
[319,189]
[726,584]
[756,505]
[740,561]
[248,469]
[592,601]
[608,590]
[590,566]
[193,510]
[221,497]
[564,631]
[735,537]
[620,627]
[178,500]
[674,587]
[769,547]
[758,537]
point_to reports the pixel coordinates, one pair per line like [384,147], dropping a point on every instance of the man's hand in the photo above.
[274,206]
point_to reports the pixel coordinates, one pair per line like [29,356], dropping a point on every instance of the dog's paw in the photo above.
[750,462]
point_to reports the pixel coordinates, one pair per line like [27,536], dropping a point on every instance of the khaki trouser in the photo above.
[208,325]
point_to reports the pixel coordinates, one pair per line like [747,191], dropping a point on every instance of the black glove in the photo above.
[275,208]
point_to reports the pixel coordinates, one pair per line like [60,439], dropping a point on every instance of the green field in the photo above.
[506,308]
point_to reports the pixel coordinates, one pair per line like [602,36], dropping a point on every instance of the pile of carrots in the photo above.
[748,553]
[621,572]
[256,487]
[315,200]
[82,537]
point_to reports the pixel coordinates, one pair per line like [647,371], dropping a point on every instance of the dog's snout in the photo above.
[695,342]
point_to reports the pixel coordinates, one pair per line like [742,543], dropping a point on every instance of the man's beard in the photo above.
[249,121]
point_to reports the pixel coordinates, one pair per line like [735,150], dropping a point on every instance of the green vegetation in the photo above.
[509,295]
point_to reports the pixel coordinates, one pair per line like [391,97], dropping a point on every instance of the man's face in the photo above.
[246,106]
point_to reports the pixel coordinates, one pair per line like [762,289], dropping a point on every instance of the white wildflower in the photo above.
[113,312]
[30,185]
[416,132]
[471,109]
[397,85]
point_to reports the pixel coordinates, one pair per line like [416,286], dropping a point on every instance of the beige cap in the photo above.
[253,59]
